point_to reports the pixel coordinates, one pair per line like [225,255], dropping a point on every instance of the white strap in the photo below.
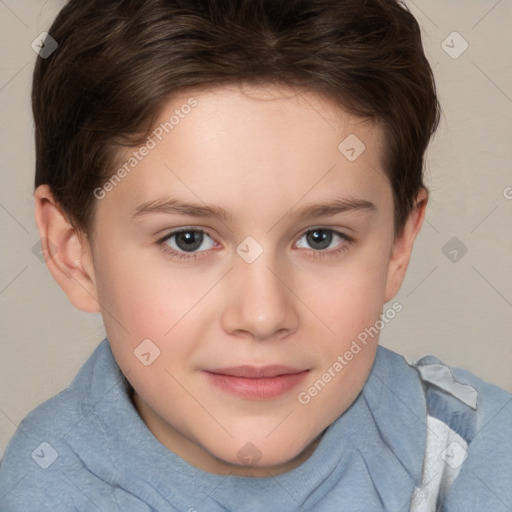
[444,454]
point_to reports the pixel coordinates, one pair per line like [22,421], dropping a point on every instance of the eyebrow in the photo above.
[173,206]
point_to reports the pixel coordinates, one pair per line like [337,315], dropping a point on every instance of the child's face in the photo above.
[261,158]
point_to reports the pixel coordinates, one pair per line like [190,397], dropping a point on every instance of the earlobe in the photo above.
[67,252]
[402,247]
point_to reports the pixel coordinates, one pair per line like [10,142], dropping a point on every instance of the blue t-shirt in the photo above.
[418,438]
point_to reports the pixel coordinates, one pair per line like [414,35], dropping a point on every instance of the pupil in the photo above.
[320,237]
[189,240]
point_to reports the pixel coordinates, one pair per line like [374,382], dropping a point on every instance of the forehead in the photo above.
[255,147]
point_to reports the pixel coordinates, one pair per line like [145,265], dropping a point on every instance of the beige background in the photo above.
[460,311]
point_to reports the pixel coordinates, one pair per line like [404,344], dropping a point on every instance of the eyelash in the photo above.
[192,256]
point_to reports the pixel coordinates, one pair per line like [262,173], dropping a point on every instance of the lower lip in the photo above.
[257,389]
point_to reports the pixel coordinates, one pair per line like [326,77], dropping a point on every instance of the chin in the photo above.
[279,454]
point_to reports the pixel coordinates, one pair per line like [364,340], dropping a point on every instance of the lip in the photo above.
[259,383]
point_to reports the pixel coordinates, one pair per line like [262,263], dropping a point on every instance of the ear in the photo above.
[66,251]
[402,247]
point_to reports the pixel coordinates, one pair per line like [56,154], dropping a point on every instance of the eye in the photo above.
[187,241]
[321,239]
[191,243]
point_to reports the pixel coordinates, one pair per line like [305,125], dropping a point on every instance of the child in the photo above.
[190,156]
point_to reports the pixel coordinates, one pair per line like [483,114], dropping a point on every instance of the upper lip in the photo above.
[254,372]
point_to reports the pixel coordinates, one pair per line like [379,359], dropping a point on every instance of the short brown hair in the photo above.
[119,61]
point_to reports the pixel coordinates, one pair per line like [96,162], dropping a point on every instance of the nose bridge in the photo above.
[259,304]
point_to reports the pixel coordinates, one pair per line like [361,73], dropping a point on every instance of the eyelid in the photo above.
[185,229]
[325,228]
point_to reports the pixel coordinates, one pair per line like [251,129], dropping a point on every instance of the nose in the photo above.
[259,303]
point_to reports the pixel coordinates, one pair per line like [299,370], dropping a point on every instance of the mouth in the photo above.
[258,383]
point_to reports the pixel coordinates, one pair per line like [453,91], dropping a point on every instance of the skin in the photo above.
[261,154]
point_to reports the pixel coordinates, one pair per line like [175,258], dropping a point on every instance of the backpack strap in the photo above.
[451,426]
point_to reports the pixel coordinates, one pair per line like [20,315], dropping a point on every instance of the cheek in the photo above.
[349,303]
[147,295]
[148,300]
[349,299]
